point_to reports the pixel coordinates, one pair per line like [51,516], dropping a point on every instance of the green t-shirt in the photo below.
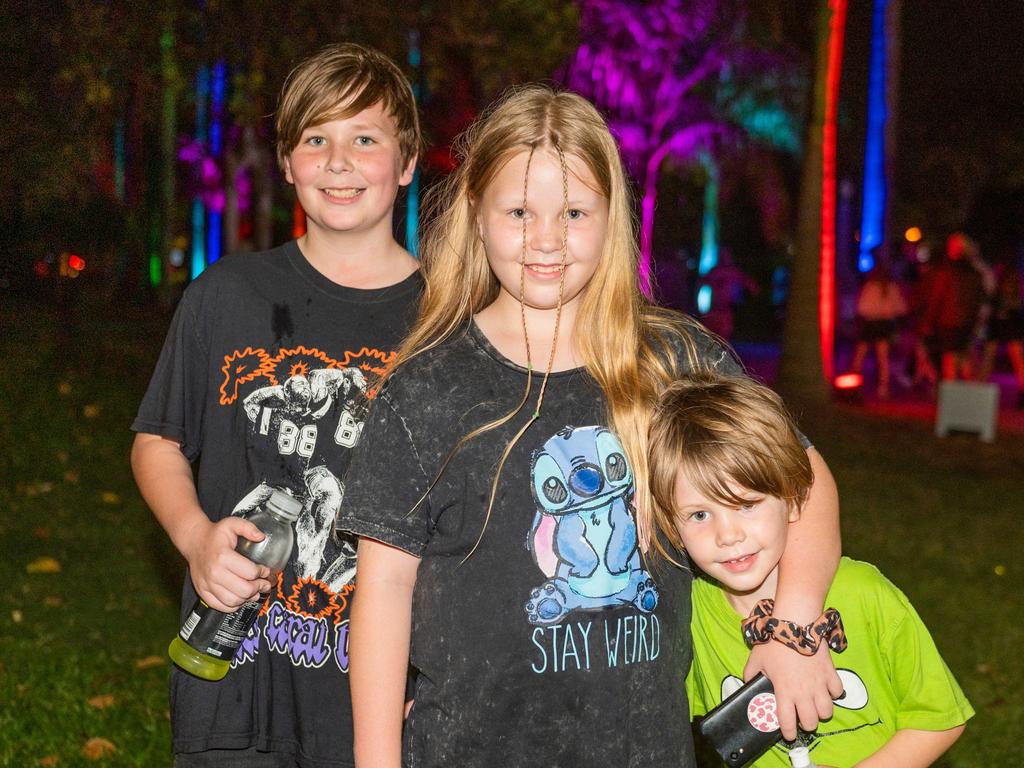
[892,673]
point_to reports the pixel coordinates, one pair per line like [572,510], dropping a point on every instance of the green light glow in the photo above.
[155,269]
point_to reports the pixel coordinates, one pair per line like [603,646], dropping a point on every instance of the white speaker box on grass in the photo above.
[968,406]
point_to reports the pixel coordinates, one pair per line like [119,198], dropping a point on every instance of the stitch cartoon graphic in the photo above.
[583,535]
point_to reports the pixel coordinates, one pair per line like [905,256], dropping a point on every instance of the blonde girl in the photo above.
[500,488]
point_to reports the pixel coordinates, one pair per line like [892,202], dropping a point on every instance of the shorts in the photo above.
[1007,327]
[876,330]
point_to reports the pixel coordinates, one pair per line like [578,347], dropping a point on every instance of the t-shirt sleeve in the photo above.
[174,401]
[928,698]
[721,359]
[385,483]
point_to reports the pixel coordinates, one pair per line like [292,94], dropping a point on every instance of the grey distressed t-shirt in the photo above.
[554,643]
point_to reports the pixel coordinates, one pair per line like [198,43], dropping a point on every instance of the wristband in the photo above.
[760,627]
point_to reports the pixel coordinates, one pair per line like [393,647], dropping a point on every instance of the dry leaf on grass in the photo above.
[52,601]
[109,497]
[48,761]
[71,476]
[41,532]
[91,411]
[97,748]
[64,388]
[43,565]
[102,702]
[150,661]
[16,616]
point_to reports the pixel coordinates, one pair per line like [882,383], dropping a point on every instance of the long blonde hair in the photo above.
[628,351]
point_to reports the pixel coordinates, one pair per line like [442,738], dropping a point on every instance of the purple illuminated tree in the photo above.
[647,66]
[684,80]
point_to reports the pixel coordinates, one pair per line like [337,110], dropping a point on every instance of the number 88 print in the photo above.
[291,439]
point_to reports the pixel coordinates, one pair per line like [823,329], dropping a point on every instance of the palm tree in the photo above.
[806,365]
[648,67]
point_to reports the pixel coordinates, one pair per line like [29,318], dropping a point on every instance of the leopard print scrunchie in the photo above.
[760,627]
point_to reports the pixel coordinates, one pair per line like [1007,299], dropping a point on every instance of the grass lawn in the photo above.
[82,649]
[941,518]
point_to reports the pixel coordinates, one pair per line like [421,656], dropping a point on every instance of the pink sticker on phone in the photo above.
[761,713]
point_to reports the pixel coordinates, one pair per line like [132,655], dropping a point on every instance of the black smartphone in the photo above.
[744,726]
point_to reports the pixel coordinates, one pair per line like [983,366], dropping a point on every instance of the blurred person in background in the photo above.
[954,306]
[880,304]
[727,283]
[1006,322]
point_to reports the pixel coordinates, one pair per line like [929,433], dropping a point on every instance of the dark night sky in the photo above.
[961,93]
[961,56]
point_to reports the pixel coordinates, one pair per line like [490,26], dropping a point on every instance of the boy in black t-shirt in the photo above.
[263,375]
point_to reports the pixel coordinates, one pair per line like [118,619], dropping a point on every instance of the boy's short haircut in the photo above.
[340,81]
[718,431]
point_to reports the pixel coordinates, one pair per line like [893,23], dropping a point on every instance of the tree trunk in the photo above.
[168,156]
[262,194]
[802,369]
[232,168]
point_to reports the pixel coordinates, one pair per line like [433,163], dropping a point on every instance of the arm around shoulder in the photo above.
[804,685]
[381,626]
[812,551]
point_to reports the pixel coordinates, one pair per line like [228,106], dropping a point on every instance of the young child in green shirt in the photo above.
[729,473]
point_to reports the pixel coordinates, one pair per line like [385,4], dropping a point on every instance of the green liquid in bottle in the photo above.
[196,663]
[209,639]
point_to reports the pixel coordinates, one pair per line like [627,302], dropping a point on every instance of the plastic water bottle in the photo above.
[800,757]
[209,638]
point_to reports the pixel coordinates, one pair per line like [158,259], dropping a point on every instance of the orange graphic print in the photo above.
[243,366]
[366,359]
[311,598]
[239,368]
[295,362]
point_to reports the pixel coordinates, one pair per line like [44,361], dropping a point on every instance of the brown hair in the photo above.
[623,339]
[720,431]
[340,81]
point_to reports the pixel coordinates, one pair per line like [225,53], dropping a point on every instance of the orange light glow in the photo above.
[913,235]
[298,220]
[848,381]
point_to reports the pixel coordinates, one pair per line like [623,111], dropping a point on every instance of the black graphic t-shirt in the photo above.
[554,643]
[262,378]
